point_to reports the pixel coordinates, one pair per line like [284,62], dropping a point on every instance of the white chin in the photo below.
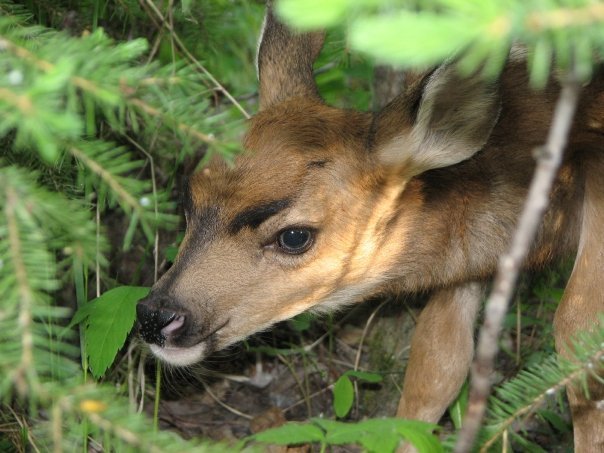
[179,356]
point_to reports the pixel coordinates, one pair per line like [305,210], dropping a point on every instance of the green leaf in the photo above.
[365,376]
[420,435]
[458,408]
[109,319]
[343,392]
[83,313]
[307,14]
[343,396]
[412,39]
[378,436]
[171,252]
[540,61]
[301,322]
[340,433]
[186,6]
[291,434]
[381,435]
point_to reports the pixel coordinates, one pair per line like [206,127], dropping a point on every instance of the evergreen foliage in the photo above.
[68,106]
[523,395]
[412,33]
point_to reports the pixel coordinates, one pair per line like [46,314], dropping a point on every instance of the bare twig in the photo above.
[155,207]
[301,386]
[548,161]
[175,38]
[225,405]
[357,359]
[311,396]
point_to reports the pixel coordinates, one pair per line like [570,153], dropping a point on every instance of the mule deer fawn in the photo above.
[327,207]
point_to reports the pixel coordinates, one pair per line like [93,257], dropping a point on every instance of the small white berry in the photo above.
[15,77]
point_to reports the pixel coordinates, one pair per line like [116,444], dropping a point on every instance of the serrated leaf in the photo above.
[81,314]
[380,440]
[343,396]
[339,433]
[291,434]
[381,435]
[109,319]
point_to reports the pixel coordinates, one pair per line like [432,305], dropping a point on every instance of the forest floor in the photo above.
[287,374]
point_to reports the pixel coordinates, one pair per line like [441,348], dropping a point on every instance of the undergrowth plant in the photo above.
[84,121]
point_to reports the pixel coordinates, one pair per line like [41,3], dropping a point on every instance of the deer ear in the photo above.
[454,120]
[285,62]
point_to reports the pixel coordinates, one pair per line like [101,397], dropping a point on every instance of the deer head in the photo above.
[316,211]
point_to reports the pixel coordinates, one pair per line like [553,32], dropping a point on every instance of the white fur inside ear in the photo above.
[454,121]
[398,151]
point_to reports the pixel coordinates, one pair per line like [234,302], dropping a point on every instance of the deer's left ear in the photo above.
[454,120]
[285,62]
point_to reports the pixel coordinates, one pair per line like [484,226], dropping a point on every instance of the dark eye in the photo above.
[295,240]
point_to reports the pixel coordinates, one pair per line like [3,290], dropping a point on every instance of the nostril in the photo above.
[175,323]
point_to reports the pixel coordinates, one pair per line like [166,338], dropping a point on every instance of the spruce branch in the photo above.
[190,130]
[128,201]
[558,18]
[125,91]
[110,165]
[548,162]
[24,375]
[32,225]
[525,393]
[61,92]
[114,417]
[20,102]
[549,20]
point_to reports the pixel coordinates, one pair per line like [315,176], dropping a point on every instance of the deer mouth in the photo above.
[186,355]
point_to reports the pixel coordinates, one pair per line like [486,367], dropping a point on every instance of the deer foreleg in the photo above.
[579,309]
[442,348]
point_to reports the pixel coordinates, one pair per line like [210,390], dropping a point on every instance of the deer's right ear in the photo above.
[285,62]
[442,121]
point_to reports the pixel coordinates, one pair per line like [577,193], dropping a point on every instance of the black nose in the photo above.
[156,323]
